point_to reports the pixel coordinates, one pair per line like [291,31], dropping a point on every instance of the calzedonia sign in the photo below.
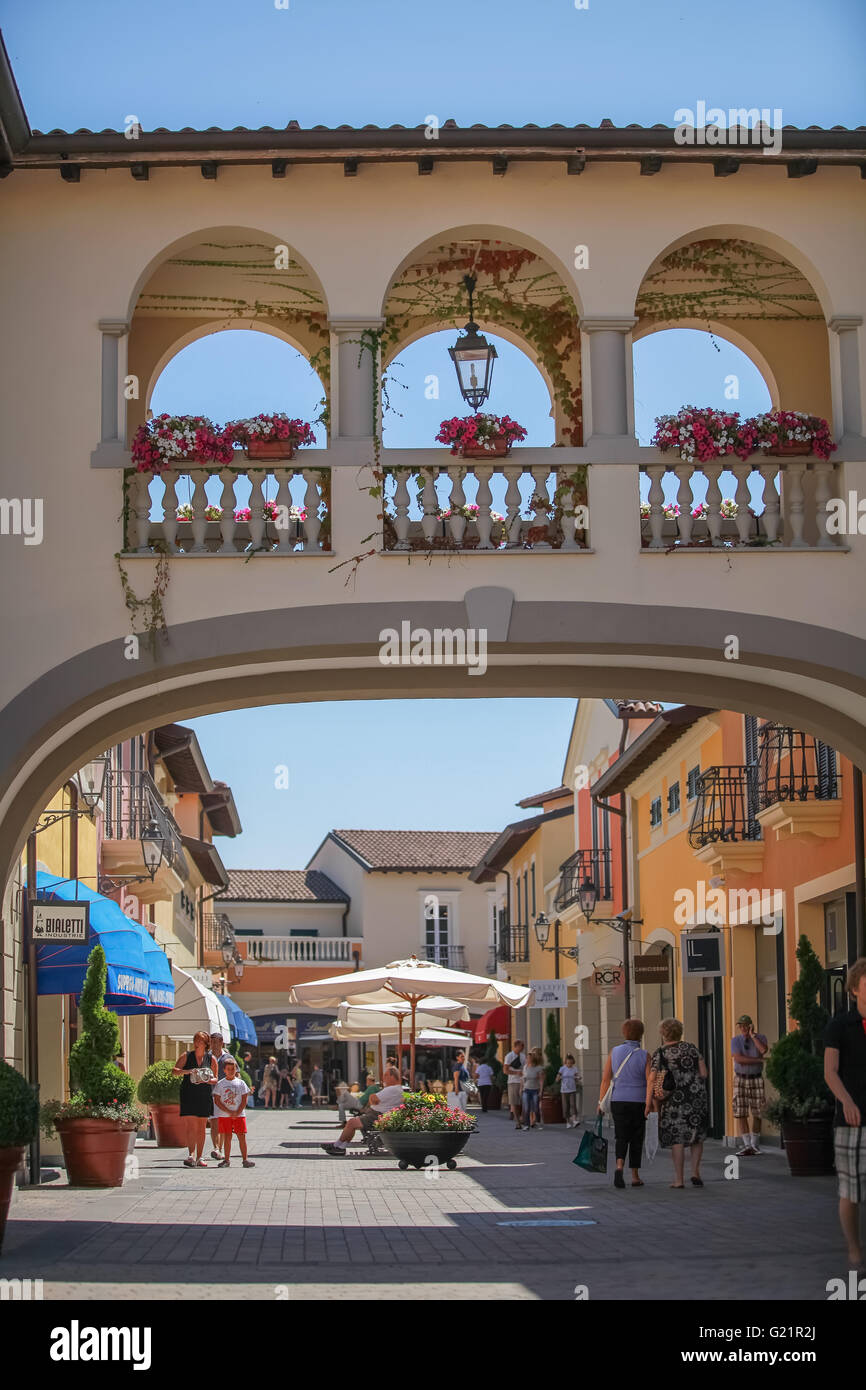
[60,921]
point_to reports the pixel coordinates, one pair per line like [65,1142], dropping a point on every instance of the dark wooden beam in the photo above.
[425,164]
[500,164]
[209,169]
[70,173]
[278,168]
[801,168]
[575,164]
[141,172]
[651,164]
[725,166]
[350,168]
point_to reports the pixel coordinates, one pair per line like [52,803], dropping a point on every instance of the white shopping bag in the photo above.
[651,1139]
[458,1101]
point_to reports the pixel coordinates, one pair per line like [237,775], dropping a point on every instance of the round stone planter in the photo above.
[271,449]
[416,1149]
[169,1126]
[10,1162]
[809,1146]
[95,1151]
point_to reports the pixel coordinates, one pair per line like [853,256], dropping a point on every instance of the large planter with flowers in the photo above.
[423,1131]
[480,436]
[19,1124]
[782,433]
[179,441]
[702,433]
[159,1089]
[270,438]
[98,1123]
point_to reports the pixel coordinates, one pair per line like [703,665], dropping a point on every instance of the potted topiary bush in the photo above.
[159,1089]
[795,1067]
[19,1124]
[551,1104]
[95,1124]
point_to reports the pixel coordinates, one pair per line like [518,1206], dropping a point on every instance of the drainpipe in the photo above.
[623,854]
[859,863]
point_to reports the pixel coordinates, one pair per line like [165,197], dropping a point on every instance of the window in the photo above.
[527,918]
[655,812]
[436,933]
[826,766]
[673,798]
[533,891]
[692,782]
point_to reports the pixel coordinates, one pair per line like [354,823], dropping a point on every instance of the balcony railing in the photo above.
[513,948]
[594,864]
[454,957]
[725,806]
[793,766]
[217,517]
[132,800]
[216,930]
[300,950]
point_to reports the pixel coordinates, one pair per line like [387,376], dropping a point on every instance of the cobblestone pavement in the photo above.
[301,1225]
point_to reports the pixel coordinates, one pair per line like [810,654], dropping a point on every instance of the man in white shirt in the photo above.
[390,1096]
[513,1065]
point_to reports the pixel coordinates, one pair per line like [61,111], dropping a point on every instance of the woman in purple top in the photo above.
[627,1070]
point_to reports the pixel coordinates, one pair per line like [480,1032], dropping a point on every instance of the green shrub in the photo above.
[552,1082]
[491,1057]
[92,1070]
[159,1086]
[795,1064]
[235,1050]
[19,1109]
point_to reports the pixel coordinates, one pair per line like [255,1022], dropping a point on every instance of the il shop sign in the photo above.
[68,922]
[607,977]
[549,994]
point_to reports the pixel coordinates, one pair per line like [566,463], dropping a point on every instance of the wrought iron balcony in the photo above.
[725,807]
[594,864]
[454,957]
[793,766]
[513,948]
[132,800]
[216,930]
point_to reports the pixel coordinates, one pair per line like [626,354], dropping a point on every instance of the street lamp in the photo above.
[542,934]
[542,929]
[91,781]
[153,844]
[587,896]
[227,950]
[473,357]
[238,960]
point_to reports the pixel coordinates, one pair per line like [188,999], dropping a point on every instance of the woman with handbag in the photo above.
[677,1088]
[199,1072]
[623,1091]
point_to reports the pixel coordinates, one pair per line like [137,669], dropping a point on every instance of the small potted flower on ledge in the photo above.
[480,436]
[781,432]
[271,436]
[169,441]
[701,433]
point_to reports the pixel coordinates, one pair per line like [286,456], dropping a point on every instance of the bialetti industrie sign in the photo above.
[60,921]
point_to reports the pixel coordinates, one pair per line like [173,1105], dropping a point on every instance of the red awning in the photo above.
[496,1021]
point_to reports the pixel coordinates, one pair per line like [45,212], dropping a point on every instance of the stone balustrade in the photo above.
[300,950]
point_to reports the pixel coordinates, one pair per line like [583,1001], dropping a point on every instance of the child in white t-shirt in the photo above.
[570,1079]
[230,1101]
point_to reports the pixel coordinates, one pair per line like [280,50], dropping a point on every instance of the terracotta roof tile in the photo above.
[454,850]
[282,885]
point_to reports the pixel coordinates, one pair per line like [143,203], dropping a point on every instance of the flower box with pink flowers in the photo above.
[702,433]
[170,441]
[271,437]
[480,436]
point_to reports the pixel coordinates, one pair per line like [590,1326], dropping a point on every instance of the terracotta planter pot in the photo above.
[270,449]
[809,1146]
[170,1129]
[498,448]
[551,1110]
[793,446]
[94,1152]
[10,1162]
[494,1100]
[416,1149]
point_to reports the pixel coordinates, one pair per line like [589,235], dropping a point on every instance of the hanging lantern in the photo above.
[473,358]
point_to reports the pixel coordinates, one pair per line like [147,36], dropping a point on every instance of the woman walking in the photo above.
[271,1083]
[460,1078]
[286,1088]
[627,1071]
[677,1085]
[199,1072]
[533,1085]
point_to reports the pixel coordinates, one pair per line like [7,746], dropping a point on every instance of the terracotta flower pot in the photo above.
[791,446]
[10,1162]
[537,535]
[270,449]
[809,1146]
[551,1110]
[497,448]
[494,1099]
[94,1152]
[169,1127]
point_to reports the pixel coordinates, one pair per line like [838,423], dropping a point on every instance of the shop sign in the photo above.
[549,994]
[607,977]
[200,974]
[652,970]
[703,954]
[60,921]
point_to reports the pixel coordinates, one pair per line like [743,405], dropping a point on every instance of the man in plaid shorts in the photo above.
[845,1074]
[748,1049]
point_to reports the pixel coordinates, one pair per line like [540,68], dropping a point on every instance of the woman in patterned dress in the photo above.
[684,1114]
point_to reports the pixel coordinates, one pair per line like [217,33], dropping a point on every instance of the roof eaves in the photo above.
[509,841]
[14,125]
[665,730]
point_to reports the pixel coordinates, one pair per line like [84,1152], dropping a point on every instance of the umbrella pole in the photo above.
[400,1045]
[412,1044]
[381,1062]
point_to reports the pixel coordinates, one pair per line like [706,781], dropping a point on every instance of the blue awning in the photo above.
[137,981]
[241,1025]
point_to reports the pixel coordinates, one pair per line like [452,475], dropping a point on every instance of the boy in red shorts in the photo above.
[230,1101]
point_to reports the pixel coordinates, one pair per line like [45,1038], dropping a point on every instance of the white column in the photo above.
[401,505]
[112,331]
[484,499]
[610,368]
[793,485]
[768,470]
[656,497]
[849,410]
[685,500]
[352,378]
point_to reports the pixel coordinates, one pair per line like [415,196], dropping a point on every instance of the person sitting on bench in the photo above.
[390,1096]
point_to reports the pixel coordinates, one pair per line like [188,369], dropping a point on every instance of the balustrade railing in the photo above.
[513,945]
[300,950]
[131,802]
[775,502]
[793,766]
[725,806]
[465,504]
[454,957]
[592,864]
[206,511]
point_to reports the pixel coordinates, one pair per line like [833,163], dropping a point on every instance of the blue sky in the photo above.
[460,764]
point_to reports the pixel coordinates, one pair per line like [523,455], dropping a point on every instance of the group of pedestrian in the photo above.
[212,1092]
[525,1082]
[281,1086]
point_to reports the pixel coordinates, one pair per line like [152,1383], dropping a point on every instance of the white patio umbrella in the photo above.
[413,981]
[381,1018]
[195,1009]
[427,1037]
